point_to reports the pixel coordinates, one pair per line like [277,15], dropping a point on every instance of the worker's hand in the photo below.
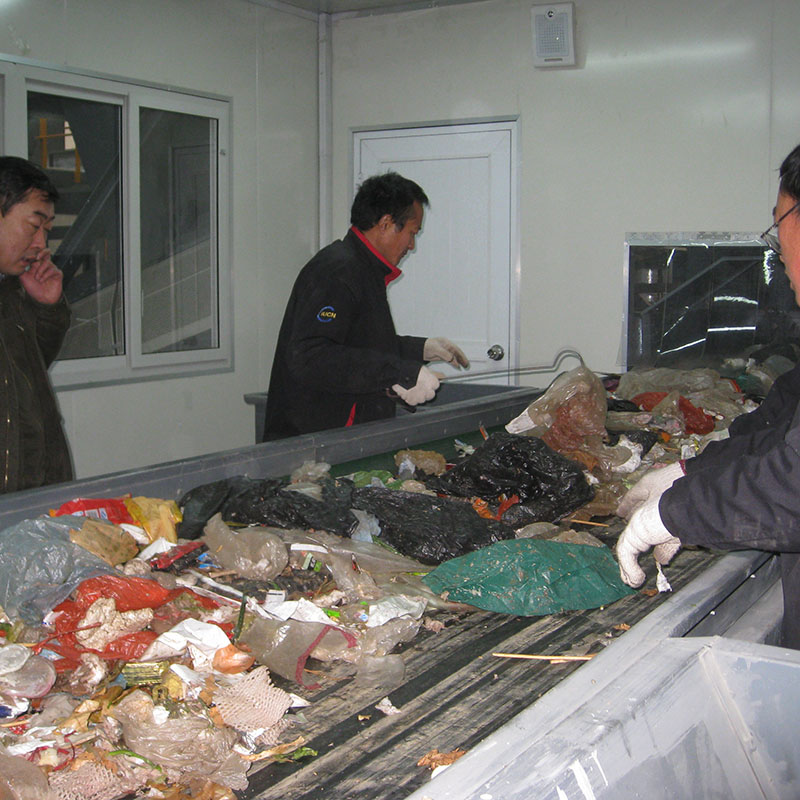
[645,530]
[43,279]
[440,349]
[422,391]
[654,483]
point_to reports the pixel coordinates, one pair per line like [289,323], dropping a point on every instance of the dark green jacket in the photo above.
[31,335]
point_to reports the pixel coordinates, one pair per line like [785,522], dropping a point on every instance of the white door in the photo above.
[458,282]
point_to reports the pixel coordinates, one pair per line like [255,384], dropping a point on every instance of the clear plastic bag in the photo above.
[188,746]
[21,780]
[285,646]
[575,402]
[40,566]
[256,553]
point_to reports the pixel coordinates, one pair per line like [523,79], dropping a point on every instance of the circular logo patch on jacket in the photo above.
[326,314]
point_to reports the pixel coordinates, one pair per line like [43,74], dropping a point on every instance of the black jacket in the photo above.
[338,352]
[33,447]
[744,492]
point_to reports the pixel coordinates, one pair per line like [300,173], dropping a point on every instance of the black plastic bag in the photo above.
[430,529]
[548,485]
[640,436]
[268,502]
[198,505]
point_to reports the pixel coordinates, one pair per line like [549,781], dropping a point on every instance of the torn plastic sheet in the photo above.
[531,577]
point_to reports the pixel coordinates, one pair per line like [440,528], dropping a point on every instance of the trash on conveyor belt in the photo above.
[531,577]
[163,647]
[548,485]
[431,529]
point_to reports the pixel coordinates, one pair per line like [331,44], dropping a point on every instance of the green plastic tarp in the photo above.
[531,577]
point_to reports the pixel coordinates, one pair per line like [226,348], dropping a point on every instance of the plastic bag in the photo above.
[548,484]
[663,379]
[158,517]
[255,553]
[574,404]
[284,647]
[268,502]
[40,566]
[109,509]
[429,529]
[191,746]
[671,404]
[531,577]
[21,780]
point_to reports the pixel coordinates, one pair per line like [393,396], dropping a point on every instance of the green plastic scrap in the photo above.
[364,478]
[531,577]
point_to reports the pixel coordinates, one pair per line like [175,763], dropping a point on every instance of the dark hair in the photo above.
[790,174]
[390,194]
[17,178]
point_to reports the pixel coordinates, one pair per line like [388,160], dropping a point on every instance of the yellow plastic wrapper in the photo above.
[157,517]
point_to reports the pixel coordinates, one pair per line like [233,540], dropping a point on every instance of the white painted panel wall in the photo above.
[265,60]
[675,118]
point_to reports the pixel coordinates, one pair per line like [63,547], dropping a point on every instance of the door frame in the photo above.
[512,124]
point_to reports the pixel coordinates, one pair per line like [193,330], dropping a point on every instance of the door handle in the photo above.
[496,352]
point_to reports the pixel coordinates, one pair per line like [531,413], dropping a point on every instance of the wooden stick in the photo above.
[545,658]
[586,522]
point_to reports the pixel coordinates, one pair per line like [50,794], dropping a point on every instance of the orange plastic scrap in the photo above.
[506,504]
[482,508]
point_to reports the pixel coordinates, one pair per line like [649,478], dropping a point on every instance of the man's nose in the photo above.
[40,238]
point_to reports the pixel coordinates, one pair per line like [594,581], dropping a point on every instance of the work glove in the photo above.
[654,483]
[422,391]
[645,530]
[441,349]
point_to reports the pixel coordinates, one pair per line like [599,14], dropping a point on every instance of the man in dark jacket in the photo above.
[34,318]
[339,360]
[743,492]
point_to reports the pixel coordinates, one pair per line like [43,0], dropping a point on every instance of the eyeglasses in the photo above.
[769,238]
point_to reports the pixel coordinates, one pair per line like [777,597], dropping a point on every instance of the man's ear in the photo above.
[386,222]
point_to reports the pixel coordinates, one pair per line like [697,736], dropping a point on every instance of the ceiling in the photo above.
[362,7]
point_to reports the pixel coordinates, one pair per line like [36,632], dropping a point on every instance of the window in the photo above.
[696,299]
[141,230]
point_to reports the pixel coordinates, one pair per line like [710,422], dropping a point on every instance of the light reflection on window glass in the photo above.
[178,234]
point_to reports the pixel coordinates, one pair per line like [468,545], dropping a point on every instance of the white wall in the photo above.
[265,60]
[675,119]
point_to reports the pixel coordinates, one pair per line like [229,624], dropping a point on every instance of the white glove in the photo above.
[654,483]
[645,530]
[441,349]
[424,389]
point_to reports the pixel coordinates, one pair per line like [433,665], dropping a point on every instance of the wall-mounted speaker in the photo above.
[553,35]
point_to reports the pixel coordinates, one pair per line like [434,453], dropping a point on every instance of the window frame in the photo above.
[17,78]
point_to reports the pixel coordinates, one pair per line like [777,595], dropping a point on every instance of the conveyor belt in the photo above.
[455,694]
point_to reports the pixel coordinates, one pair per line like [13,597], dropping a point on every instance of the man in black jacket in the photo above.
[743,492]
[339,360]
[34,318]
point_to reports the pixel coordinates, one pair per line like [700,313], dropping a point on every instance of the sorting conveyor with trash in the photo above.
[346,611]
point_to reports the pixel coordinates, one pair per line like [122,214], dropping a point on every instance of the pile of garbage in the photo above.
[160,647]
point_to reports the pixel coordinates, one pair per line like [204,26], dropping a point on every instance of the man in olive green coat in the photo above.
[34,318]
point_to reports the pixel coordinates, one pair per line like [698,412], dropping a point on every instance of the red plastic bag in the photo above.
[110,509]
[695,419]
[129,592]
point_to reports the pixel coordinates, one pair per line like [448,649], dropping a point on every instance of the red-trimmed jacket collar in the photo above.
[394,272]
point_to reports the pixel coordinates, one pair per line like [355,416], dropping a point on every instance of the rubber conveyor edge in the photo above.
[709,605]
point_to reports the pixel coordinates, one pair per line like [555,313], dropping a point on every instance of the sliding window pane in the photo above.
[77,143]
[178,208]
